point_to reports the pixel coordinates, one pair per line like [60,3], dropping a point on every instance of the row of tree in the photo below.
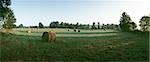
[56,24]
[126,24]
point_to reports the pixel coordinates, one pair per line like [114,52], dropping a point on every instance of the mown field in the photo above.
[87,45]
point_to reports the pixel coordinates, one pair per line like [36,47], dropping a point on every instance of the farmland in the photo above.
[87,45]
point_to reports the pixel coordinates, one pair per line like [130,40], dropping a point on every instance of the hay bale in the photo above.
[74,30]
[29,32]
[52,36]
[45,36]
[78,30]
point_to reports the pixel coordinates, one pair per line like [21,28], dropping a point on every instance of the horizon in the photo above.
[30,13]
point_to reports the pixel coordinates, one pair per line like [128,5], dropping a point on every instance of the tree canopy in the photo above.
[7,14]
[126,23]
[41,25]
[145,23]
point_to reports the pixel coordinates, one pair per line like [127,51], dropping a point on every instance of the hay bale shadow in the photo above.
[45,36]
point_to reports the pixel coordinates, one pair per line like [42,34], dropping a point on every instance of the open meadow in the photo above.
[70,46]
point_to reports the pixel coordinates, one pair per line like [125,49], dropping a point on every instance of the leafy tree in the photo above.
[108,26]
[125,22]
[145,23]
[9,19]
[133,26]
[77,25]
[4,3]
[98,25]
[88,25]
[61,25]
[116,27]
[71,26]
[54,24]
[7,14]
[103,26]
[66,25]
[112,26]
[93,26]
[21,26]
[41,25]
[3,6]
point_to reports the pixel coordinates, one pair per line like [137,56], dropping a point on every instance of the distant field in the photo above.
[60,30]
[87,45]
[65,32]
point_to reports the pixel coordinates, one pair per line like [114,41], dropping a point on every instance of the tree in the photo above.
[61,25]
[41,25]
[88,25]
[9,19]
[93,26]
[125,22]
[3,6]
[112,26]
[145,23]
[103,26]
[7,14]
[4,3]
[66,25]
[133,26]
[77,25]
[20,26]
[54,24]
[108,26]
[71,26]
[98,25]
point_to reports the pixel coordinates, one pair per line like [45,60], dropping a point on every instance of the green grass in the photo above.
[123,47]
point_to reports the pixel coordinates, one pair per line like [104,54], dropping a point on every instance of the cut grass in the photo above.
[121,47]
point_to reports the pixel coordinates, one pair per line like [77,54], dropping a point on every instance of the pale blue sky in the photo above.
[31,12]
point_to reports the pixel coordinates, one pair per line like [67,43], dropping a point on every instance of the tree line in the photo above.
[57,24]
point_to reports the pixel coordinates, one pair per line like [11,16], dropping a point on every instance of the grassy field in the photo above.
[87,45]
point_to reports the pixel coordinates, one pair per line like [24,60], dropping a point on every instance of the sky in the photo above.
[31,12]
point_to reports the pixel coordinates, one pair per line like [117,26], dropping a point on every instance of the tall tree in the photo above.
[20,26]
[98,25]
[126,23]
[112,26]
[9,19]
[133,26]
[88,26]
[77,25]
[7,14]
[103,26]
[41,25]
[4,3]
[54,24]
[145,23]
[61,25]
[108,26]
[93,26]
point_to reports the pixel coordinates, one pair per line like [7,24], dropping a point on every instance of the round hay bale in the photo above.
[29,32]
[45,36]
[78,30]
[52,36]
[74,30]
